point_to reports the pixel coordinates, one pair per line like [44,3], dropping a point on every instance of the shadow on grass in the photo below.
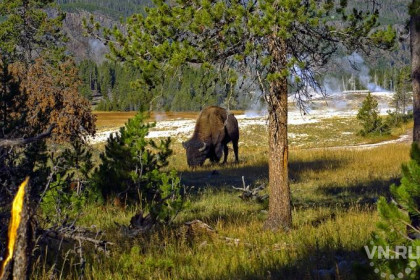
[373,188]
[363,194]
[270,262]
[220,176]
[317,263]
[229,216]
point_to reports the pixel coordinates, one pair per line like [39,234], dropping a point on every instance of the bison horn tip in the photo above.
[203,148]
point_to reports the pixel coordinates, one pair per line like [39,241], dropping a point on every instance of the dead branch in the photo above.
[198,229]
[26,141]
[251,194]
[74,234]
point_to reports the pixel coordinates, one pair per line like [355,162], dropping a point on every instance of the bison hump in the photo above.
[210,123]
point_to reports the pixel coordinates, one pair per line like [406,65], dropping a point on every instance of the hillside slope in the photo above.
[393,12]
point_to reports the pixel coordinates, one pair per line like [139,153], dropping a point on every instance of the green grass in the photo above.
[318,239]
[334,214]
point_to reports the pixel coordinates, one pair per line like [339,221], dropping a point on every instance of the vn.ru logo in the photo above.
[409,253]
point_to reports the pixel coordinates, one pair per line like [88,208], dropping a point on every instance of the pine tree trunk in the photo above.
[280,215]
[415,63]
[415,74]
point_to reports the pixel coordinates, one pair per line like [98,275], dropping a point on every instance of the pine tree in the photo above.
[402,90]
[71,184]
[369,118]
[54,99]
[131,169]
[26,31]
[400,224]
[279,40]
[38,91]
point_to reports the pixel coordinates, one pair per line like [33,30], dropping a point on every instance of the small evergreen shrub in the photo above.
[70,185]
[395,119]
[132,168]
[369,118]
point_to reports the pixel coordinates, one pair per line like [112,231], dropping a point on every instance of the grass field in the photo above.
[334,214]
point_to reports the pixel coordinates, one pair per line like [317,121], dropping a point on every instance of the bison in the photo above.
[214,129]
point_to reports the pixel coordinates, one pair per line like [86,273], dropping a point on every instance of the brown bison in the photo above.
[214,129]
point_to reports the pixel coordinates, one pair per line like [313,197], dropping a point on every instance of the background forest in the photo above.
[108,85]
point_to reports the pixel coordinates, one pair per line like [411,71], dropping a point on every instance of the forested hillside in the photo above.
[110,84]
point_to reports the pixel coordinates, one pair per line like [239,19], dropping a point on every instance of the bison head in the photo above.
[196,152]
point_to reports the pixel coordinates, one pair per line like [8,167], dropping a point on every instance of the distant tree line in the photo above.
[377,79]
[110,86]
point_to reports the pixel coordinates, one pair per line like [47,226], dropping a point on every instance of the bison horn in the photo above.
[202,148]
[184,144]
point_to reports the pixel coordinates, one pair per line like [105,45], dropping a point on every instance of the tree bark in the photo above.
[19,266]
[24,244]
[415,75]
[279,214]
[415,70]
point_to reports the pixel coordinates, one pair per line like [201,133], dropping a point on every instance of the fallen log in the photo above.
[71,234]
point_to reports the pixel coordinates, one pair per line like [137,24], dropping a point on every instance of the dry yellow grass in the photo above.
[112,119]
[334,215]
[333,192]
[106,120]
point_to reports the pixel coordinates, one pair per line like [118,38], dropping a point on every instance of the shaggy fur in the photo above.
[214,129]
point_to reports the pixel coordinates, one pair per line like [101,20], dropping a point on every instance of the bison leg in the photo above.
[218,151]
[235,150]
[225,152]
[212,156]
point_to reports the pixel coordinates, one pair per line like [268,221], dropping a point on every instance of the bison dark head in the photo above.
[196,152]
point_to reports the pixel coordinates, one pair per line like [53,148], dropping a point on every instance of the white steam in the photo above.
[355,66]
[97,50]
